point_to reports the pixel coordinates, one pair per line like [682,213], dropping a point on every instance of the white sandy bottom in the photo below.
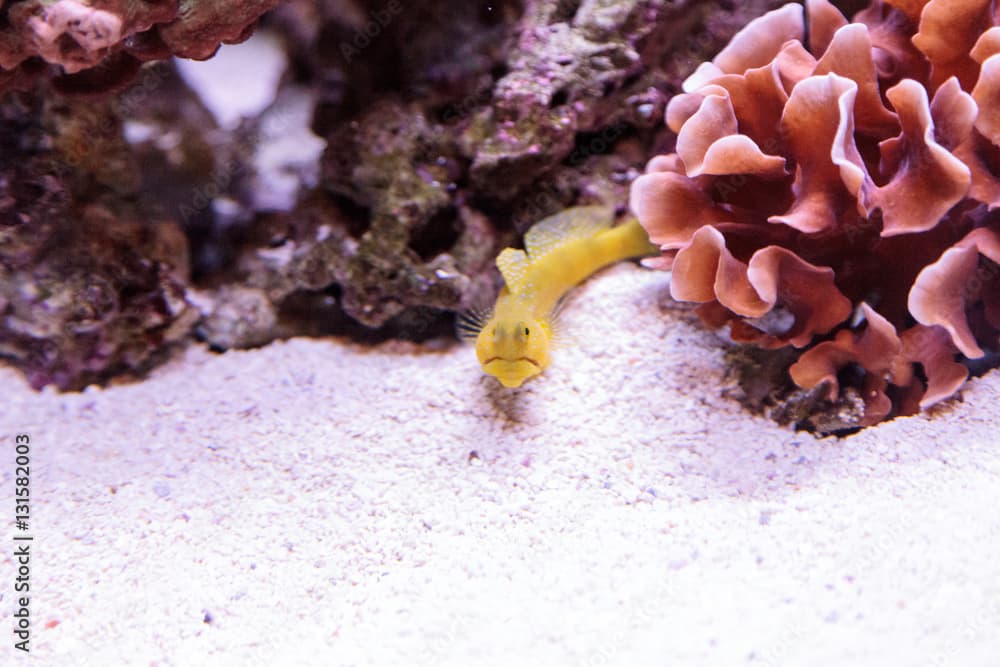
[317,504]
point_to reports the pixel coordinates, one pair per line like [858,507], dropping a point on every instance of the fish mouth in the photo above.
[511,361]
[512,372]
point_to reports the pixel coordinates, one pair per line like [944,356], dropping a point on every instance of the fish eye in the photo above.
[526,332]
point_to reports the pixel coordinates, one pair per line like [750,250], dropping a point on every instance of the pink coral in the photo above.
[838,194]
[89,30]
[101,43]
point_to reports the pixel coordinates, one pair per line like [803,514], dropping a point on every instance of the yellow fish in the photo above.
[513,340]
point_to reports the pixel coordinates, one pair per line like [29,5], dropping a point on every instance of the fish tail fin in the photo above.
[633,240]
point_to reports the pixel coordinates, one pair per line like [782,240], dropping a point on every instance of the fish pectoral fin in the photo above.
[574,223]
[470,322]
[513,265]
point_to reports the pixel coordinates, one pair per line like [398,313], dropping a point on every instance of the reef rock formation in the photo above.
[436,159]
[450,127]
[88,284]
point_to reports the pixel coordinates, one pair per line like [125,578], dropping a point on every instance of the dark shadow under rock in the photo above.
[763,386]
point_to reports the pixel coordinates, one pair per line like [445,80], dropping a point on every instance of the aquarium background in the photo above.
[229,278]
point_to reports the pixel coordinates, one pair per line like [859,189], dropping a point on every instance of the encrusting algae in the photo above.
[514,339]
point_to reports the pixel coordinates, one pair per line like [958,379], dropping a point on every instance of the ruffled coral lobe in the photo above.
[835,194]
